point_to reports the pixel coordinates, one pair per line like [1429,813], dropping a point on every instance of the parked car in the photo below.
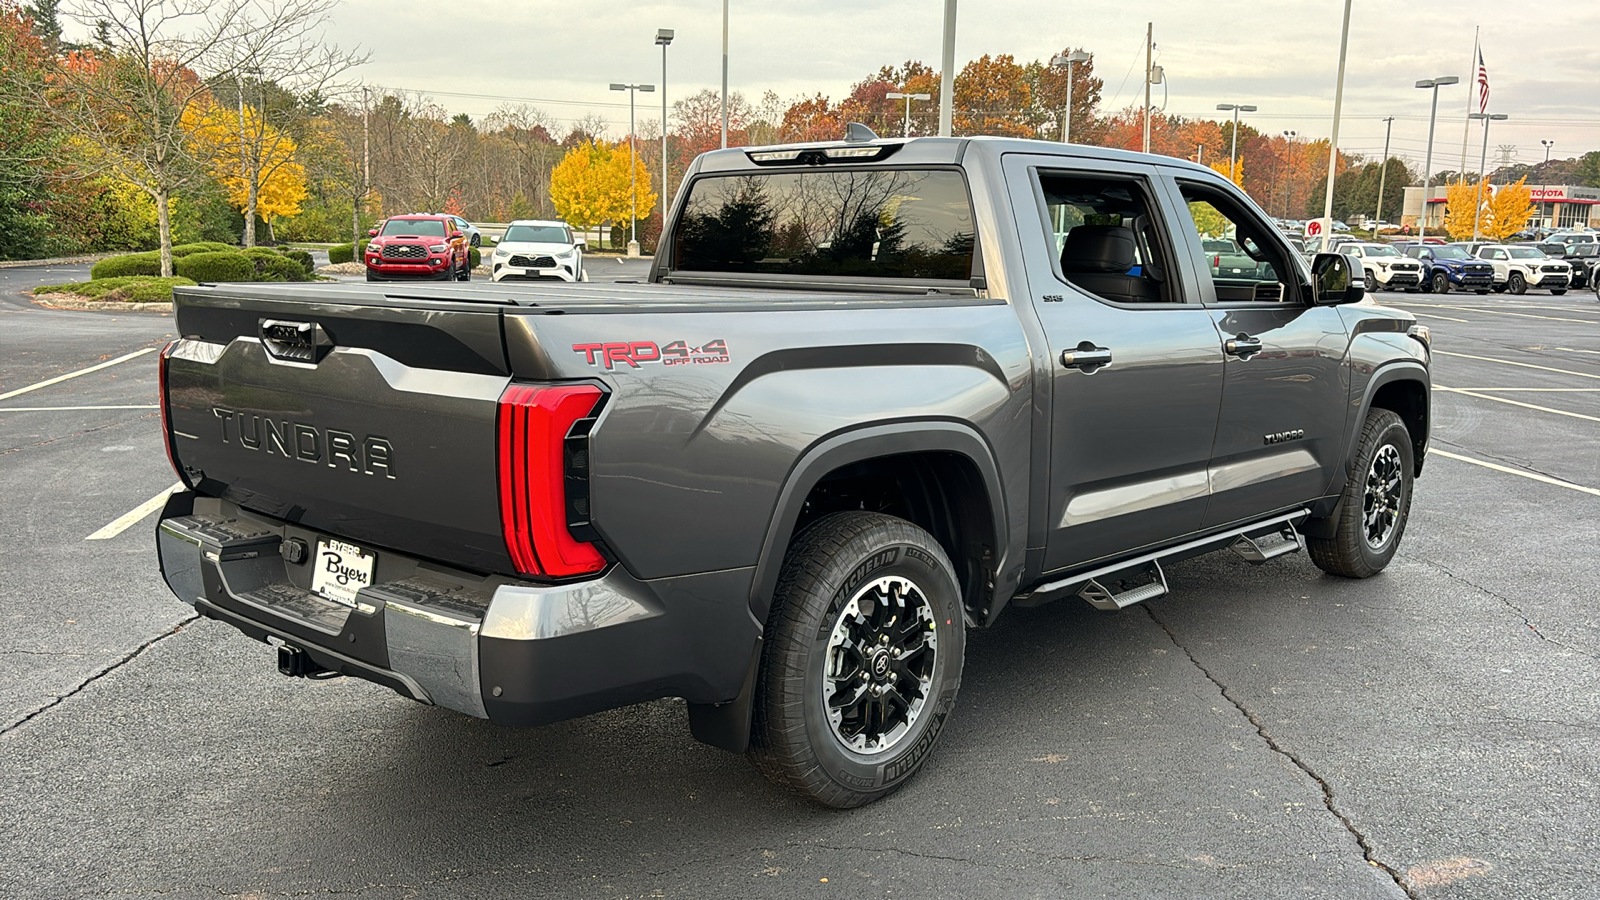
[1339,227]
[1579,248]
[1227,258]
[533,248]
[782,479]
[1518,267]
[1445,267]
[474,236]
[1331,243]
[1387,269]
[418,247]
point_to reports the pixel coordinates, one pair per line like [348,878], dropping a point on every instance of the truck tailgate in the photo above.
[364,416]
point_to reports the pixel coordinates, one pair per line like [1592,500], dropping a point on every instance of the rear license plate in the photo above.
[341,569]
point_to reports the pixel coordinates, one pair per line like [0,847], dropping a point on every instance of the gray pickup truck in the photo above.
[872,394]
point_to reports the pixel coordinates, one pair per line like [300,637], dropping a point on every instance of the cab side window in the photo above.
[1246,260]
[1107,241]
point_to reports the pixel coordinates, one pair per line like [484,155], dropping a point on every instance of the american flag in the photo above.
[1483,85]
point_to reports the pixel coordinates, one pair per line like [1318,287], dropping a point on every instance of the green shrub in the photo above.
[202,247]
[473,256]
[272,267]
[129,264]
[216,266]
[128,289]
[341,253]
[303,257]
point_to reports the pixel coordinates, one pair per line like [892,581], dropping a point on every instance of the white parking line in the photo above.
[1559,412]
[128,519]
[1510,362]
[1501,312]
[6,409]
[60,378]
[1534,390]
[1535,476]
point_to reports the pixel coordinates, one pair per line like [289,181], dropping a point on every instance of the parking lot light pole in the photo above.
[1483,162]
[1430,84]
[663,38]
[1233,156]
[1288,170]
[633,165]
[1067,62]
[1544,181]
[905,128]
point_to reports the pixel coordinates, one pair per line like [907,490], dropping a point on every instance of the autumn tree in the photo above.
[915,77]
[1461,209]
[595,183]
[1221,167]
[811,119]
[1508,210]
[271,184]
[992,97]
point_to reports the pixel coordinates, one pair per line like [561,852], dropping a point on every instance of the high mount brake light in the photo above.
[820,155]
[166,411]
[534,424]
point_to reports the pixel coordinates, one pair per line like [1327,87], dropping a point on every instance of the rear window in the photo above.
[418,227]
[877,224]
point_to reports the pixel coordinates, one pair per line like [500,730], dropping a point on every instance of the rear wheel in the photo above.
[465,272]
[1440,283]
[1375,504]
[1558,291]
[1482,291]
[861,661]
[1516,284]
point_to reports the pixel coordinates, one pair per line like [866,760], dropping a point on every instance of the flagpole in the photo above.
[1466,124]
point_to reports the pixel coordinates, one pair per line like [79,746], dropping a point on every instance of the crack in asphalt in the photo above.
[74,434]
[1328,799]
[1505,601]
[98,675]
[901,851]
[1504,460]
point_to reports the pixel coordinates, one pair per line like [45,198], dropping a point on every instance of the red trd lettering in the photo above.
[588,351]
[645,351]
[616,353]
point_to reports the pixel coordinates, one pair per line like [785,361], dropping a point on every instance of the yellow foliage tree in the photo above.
[1508,211]
[255,162]
[1221,168]
[1461,208]
[593,184]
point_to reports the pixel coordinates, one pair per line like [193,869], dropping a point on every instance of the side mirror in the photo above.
[494,240]
[1336,279]
[372,232]
[581,243]
[455,235]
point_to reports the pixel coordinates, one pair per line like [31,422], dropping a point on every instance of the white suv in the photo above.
[1518,267]
[1386,267]
[533,248]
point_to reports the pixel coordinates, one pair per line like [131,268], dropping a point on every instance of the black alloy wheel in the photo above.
[1516,284]
[1440,283]
[861,660]
[1375,503]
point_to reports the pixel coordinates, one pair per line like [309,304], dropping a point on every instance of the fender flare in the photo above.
[727,725]
[1388,373]
[858,445]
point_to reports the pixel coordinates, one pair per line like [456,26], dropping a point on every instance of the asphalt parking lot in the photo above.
[1262,732]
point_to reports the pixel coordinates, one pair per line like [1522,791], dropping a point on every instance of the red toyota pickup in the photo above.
[428,248]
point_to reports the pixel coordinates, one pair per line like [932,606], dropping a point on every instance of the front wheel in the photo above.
[1440,283]
[861,661]
[1516,284]
[1375,503]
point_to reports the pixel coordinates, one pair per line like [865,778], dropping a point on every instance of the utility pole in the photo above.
[1338,104]
[1383,173]
[947,71]
[724,75]
[1149,53]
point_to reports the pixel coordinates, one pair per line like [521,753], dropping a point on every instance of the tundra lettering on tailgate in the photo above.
[632,353]
[307,443]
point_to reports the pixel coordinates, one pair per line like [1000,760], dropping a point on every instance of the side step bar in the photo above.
[1100,597]
[1256,542]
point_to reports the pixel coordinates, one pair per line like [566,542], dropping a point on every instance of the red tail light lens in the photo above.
[166,410]
[533,425]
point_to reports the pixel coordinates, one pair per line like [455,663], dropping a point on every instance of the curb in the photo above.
[59,261]
[74,302]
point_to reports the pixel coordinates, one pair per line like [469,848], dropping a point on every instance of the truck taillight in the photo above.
[535,422]
[166,410]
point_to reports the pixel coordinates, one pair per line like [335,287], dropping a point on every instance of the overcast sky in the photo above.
[1280,55]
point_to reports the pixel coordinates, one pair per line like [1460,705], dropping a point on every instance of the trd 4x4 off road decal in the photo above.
[632,353]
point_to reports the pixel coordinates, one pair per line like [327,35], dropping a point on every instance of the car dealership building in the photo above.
[1555,206]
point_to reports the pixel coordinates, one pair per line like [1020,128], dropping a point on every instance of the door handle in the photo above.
[1242,345]
[1086,357]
